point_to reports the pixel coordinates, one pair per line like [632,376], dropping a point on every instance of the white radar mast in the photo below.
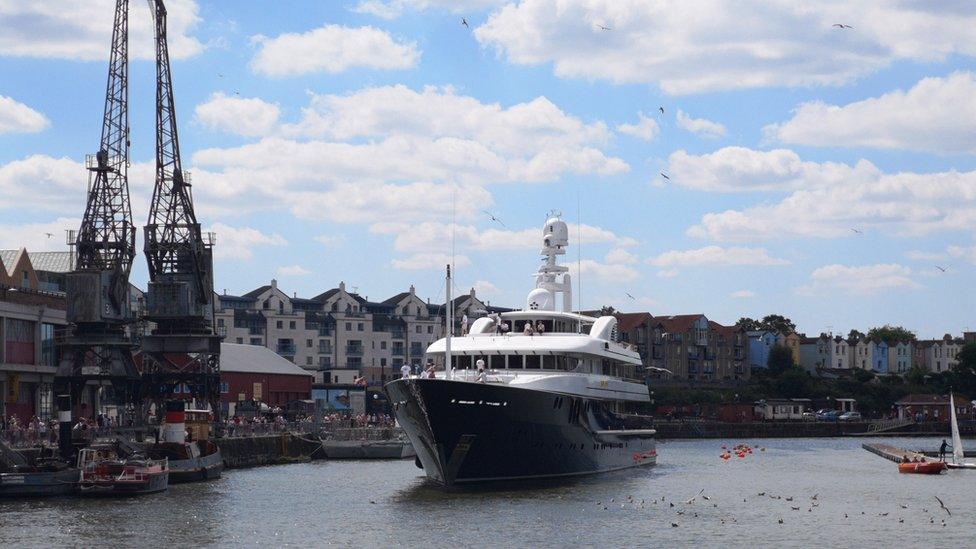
[552,278]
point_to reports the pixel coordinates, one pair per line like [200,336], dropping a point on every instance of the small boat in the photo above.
[189,461]
[48,477]
[103,472]
[922,467]
[958,452]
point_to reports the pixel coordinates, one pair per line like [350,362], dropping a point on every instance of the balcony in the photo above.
[325,362]
[222,331]
[397,351]
[416,352]
[324,349]
[256,330]
[397,334]
[354,350]
[325,332]
[286,349]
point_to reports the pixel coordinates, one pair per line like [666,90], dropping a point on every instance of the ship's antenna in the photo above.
[579,259]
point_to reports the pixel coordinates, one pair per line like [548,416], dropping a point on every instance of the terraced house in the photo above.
[691,347]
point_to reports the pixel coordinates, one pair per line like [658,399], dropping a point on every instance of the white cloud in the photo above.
[668,273]
[967,253]
[830,198]
[249,117]
[63,181]
[700,46]
[716,255]
[293,270]
[734,169]
[67,29]
[331,241]
[742,294]
[332,49]
[428,236]
[861,280]
[483,287]
[239,242]
[16,117]
[391,9]
[645,128]
[603,272]
[701,127]
[937,114]
[34,236]
[424,261]
[394,154]
[922,255]
[621,256]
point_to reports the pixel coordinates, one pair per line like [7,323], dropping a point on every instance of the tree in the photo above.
[891,334]
[778,323]
[607,310]
[917,374]
[854,334]
[963,375]
[863,376]
[747,324]
[780,359]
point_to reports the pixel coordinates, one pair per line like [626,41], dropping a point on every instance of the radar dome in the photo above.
[555,236]
[539,299]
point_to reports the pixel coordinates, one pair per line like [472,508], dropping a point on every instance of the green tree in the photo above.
[747,324]
[891,334]
[916,376]
[863,376]
[854,334]
[780,359]
[962,377]
[778,323]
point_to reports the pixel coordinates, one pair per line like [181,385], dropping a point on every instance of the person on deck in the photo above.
[405,371]
[529,329]
[942,449]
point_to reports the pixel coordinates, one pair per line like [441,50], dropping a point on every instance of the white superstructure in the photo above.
[571,354]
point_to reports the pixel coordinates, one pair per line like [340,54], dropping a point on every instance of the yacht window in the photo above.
[463,362]
[515,362]
[549,362]
[533,362]
[496,362]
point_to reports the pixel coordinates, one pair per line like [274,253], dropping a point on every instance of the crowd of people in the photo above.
[27,433]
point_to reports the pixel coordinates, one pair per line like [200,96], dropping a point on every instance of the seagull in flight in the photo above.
[842,26]
[219,75]
[49,235]
[601,27]
[944,508]
[857,231]
[493,218]
[661,109]
[464,22]
[943,269]
[630,296]
[665,176]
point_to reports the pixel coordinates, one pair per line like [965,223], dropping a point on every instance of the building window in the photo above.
[280,324]
[418,328]
[359,326]
[240,340]
[383,362]
[224,387]
[430,329]
[49,352]
[291,324]
[255,341]
[348,326]
[220,322]
[308,342]
[383,345]
[308,360]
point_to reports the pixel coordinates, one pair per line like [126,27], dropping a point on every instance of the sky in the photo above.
[726,158]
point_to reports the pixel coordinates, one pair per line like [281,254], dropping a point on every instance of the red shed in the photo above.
[256,372]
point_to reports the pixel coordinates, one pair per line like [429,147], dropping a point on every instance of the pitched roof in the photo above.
[8,259]
[396,299]
[52,262]
[253,294]
[256,359]
[324,296]
[930,399]
[628,321]
[677,323]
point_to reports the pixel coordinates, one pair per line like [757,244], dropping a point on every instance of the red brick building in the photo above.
[255,372]
[933,407]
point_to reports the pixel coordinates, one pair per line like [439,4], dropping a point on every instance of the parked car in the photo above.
[828,415]
[809,416]
[850,416]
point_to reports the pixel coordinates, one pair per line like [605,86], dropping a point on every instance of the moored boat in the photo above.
[958,452]
[922,467]
[103,472]
[45,478]
[189,461]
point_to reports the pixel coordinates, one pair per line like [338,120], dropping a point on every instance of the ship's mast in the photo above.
[180,299]
[552,278]
[98,349]
[449,325]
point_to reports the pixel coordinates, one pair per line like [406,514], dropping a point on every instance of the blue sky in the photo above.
[817,172]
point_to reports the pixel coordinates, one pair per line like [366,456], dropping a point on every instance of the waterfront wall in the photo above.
[267,450]
[715,429]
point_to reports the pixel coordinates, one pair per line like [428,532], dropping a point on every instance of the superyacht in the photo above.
[538,393]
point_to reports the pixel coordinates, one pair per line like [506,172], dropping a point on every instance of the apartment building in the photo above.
[338,334]
[938,355]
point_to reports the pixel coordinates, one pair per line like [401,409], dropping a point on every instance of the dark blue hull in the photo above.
[472,432]
[38,483]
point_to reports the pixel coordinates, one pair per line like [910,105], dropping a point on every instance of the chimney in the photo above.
[274,283]
[225,291]
[413,290]
[342,286]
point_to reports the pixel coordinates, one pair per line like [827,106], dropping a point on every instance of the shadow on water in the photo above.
[426,490]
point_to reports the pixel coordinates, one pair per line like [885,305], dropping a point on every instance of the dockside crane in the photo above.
[97,348]
[183,348]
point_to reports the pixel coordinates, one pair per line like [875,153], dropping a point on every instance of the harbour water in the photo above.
[381,504]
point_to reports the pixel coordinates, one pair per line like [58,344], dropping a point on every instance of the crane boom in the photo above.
[180,299]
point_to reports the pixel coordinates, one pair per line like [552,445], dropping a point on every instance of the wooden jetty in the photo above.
[891,453]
